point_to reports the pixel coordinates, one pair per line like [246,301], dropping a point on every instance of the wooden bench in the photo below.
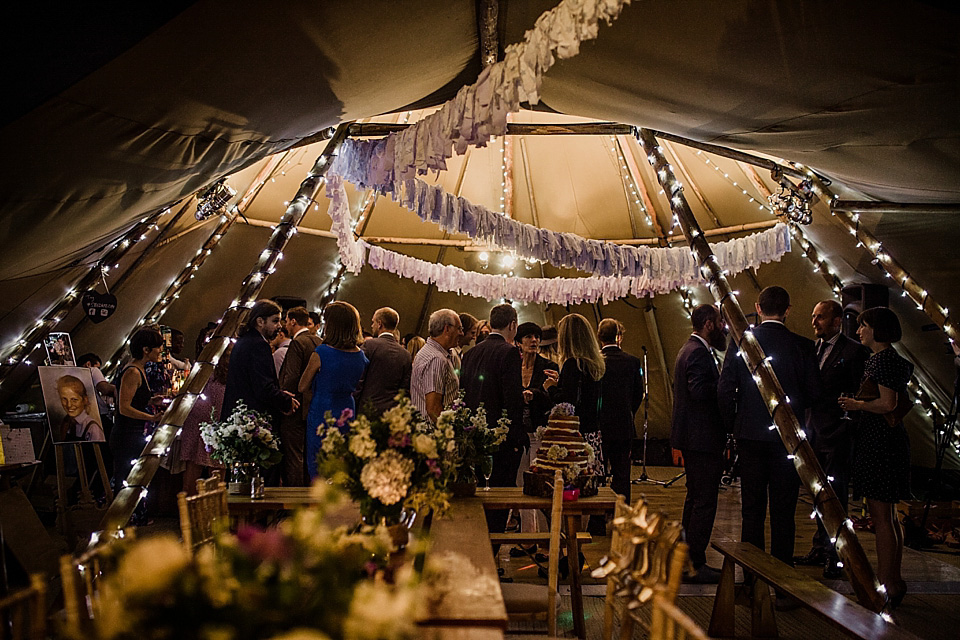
[840,611]
[583,537]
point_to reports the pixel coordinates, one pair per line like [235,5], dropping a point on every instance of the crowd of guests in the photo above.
[825,381]
[283,365]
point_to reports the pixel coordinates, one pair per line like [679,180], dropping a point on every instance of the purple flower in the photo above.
[264,545]
[345,415]
[434,467]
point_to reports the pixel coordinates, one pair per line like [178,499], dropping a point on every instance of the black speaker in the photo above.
[856,298]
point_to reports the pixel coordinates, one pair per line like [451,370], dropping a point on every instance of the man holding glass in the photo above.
[841,361]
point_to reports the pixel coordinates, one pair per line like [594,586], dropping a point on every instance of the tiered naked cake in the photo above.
[561,447]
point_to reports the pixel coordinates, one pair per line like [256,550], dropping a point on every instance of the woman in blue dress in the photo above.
[333,372]
[881,458]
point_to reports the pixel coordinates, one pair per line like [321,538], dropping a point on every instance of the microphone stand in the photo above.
[646,425]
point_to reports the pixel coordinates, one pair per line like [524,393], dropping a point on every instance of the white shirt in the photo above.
[280,354]
[826,352]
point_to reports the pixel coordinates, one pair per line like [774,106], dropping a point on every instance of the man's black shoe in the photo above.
[832,570]
[702,575]
[816,557]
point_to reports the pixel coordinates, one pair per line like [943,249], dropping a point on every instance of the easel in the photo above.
[71,521]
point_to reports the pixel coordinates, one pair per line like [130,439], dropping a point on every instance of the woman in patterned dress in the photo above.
[881,459]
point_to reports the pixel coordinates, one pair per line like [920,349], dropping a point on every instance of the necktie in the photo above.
[822,351]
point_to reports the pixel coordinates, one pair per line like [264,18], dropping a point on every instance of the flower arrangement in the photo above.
[244,437]
[475,440]
[388,464]
[301,579]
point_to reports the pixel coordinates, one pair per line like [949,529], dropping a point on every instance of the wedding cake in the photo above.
[563,448]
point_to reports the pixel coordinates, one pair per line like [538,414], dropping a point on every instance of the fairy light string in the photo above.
[171,422]
[20,349]
[864,581]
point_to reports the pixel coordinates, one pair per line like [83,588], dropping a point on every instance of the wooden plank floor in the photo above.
[930,610]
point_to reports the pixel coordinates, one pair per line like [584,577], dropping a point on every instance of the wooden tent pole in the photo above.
[868,590]
[534,210]
[143,469]
[187,273]
[32,339]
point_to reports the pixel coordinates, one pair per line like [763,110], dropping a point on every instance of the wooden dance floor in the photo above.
[930,610]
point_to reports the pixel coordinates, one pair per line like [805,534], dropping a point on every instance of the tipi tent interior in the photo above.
[112,116]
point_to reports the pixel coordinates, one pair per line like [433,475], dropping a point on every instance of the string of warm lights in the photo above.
[187,274]
[868,589]
[170,424]
[629,180]
[31,339]
[889,266]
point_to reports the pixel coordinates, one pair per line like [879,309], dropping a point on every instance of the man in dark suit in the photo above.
[841,361]
[390,364]
[293,427]
[765,471]
[252,376]
[620,397]
[491,375]
[700,435]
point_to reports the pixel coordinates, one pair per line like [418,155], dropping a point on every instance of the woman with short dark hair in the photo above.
[126,438]
[333,371]
[881,458]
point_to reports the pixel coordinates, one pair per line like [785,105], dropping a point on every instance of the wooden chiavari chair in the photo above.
[23,614]
[81,578]
[204,515]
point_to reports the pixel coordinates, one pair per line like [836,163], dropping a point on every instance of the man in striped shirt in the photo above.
[434,384]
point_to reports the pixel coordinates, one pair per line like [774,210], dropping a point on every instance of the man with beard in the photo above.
[252,376]
[841,362]
[699,433]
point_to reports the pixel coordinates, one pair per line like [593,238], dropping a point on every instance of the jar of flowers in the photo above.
[475,441]
[393,466]
[244,443]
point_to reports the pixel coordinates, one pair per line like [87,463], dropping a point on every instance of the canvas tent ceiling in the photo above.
[148,106]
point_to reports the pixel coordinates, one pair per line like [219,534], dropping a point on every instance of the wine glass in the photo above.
[846,413]
[486,468]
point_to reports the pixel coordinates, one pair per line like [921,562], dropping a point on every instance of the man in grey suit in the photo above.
[293,428]
[766,474]
[699,433]
[390,364]
[841,362]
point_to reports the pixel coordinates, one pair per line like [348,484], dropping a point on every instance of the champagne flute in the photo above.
[486,468]
[846,413]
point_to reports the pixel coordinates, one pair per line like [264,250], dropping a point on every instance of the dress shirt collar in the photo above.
[832,341]
[779,322]
[299,332]
[694,335]
[388,334]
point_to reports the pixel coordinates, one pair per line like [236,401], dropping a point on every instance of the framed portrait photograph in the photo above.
[71,402]
[59,350]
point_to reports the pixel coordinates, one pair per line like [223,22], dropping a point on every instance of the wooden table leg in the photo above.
[576,593]
[762,619]
[722,618]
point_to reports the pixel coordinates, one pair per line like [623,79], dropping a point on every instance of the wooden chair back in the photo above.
[669,623]
[81,578]
[553,554]
[23,614]
[204,515]
[647,558]
[526,600]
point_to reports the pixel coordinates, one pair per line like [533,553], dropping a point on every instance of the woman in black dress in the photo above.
[881,459]
[126,439]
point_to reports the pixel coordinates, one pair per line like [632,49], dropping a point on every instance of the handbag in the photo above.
[870,390]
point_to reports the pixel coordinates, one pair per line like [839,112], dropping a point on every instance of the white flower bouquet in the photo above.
[475,440]
[244,437]
[389,463]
